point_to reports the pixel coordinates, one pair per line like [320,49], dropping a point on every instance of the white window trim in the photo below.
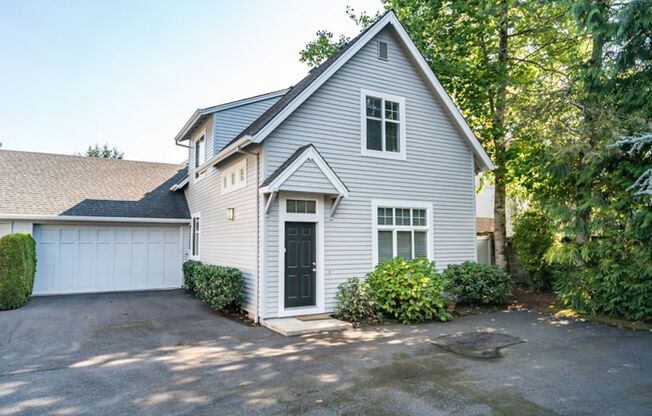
[401,154]
[234,170]
[318,218]
[192,256]
[199,175]
[390,203]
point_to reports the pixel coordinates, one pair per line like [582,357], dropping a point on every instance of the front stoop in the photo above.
[292,326]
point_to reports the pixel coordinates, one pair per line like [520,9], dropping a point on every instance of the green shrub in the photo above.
[479,284]
[355,303]
[17,270]
[219,287]
[615,281]
[408,290]
[533,237]
[189,272]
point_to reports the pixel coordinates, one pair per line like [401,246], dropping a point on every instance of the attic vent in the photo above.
[382,50]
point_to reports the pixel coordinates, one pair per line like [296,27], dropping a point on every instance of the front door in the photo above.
[300,264]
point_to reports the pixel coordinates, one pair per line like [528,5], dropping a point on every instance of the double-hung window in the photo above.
[200,153]
[401,231]
[194,237]
[383,125]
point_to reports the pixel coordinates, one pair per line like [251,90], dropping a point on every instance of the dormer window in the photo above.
[383,125]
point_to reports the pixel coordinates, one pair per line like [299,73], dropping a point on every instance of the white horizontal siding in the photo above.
[438,169]
[224,242]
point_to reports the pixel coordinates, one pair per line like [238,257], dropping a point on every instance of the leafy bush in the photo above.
[189,272]
[533,237]
[219,287]
[17,270]
[408,290]
[475,283]
[355,303]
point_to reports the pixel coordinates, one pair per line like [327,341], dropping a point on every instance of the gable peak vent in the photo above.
[382,50]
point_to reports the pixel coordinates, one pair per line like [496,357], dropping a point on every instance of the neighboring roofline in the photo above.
[202,112]
[309,153]
[98,159]
[181,184]
[81,218]
[364,38]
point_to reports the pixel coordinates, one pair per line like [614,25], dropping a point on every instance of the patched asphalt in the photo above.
[154,353]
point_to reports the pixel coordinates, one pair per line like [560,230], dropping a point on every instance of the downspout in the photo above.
[257,300]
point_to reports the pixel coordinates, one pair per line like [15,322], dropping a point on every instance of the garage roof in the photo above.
[61,185]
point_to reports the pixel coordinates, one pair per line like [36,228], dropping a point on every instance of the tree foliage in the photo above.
[560,95]
[104,152]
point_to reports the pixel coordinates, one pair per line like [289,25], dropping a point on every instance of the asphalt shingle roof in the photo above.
[52,184]
[285,164]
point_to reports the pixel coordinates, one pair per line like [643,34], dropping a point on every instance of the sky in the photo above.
[131,73]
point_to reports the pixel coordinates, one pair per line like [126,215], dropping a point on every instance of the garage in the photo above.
[85,259]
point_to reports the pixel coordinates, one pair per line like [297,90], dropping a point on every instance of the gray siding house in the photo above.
[363,160]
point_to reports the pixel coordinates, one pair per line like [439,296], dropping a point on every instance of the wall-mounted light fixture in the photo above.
[230,214]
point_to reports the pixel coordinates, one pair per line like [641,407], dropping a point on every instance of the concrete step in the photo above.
[292,326]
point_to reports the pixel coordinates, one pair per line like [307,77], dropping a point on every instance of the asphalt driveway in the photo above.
[155,353]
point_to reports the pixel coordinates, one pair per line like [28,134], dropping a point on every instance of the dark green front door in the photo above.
[300,264]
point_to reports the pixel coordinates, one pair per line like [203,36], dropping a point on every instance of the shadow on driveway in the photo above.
[165,353]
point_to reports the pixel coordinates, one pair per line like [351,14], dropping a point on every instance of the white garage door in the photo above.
[81,259]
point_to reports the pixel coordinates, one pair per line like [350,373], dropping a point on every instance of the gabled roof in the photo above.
[257,131]
[41,184]
[202,113]
[274,182]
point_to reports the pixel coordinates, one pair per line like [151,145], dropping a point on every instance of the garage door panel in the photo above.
[170,271]
[77,259]
[66,265]
[122,265]
[45,267]
[155,263]
[105,261]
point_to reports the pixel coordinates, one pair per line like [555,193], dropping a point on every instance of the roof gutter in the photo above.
[74,218]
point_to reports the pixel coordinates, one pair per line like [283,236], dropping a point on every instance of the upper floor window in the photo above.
[200,151]
[383,125]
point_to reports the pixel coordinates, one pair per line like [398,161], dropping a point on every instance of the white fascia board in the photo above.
[72,218]
[309,154]
[221,107]
[389,18]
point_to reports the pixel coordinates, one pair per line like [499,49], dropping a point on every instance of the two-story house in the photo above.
[365,159]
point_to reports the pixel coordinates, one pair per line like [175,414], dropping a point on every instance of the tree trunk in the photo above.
[500,228]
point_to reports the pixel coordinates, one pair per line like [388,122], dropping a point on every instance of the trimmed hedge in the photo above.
[17,270]
[219,287]
[478,284]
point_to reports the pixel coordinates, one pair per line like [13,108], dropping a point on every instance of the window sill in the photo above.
[384,155]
